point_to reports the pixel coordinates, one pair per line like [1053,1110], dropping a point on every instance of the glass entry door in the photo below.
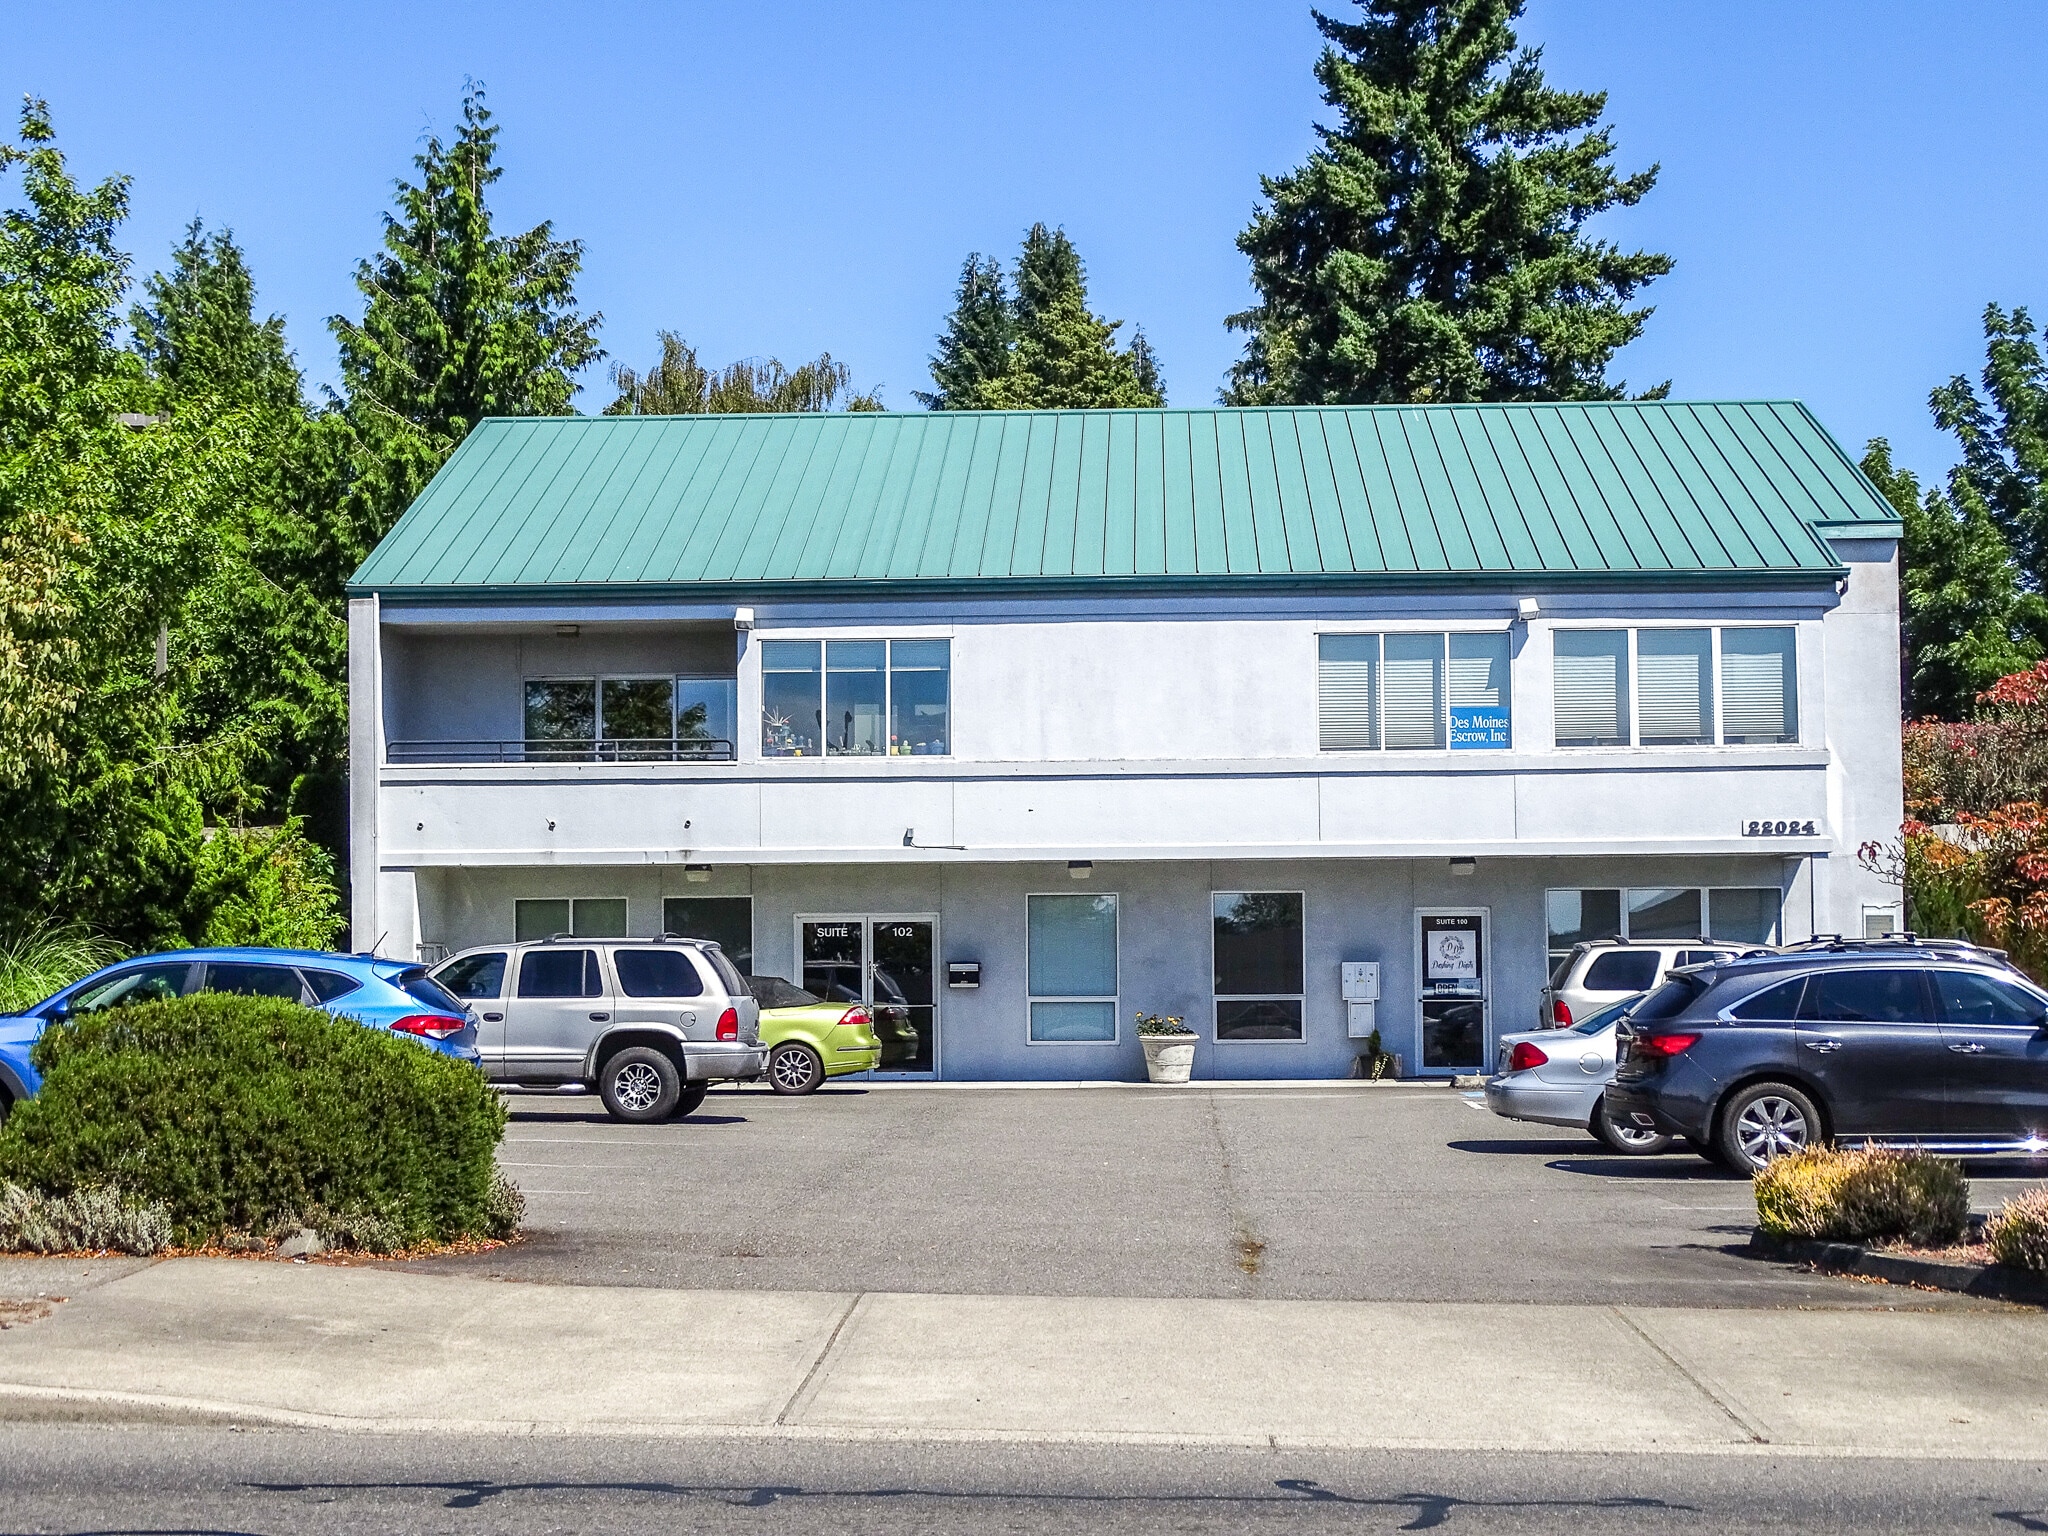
[1455,989]
[886,964]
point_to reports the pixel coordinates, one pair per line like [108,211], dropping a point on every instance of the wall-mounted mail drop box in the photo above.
[963,973]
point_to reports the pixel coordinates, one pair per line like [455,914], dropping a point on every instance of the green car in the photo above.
[810,1039]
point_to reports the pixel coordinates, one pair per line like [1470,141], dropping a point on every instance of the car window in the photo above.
[1699,956]
[775,992]
[1975,1001]
[474,975]
[560,973]
[254,980]
[1563,968]
[1866,996]
[1624,970]
[328,985]
[422,988]
[656,973]
[1667,1002]
[1780,1003]
[144,984]
[1593,1023]
[728,973]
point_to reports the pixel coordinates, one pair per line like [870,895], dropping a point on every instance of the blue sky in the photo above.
[1844,185]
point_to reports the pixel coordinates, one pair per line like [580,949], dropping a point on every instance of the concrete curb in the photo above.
[1992,1281]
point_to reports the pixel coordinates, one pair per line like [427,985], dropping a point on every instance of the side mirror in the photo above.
[58,1011]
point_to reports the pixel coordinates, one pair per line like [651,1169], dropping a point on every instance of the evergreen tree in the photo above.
[679,385]
[1433,247]
[1062,355]
[198,332]
[459,323]
[975,346]
[2004,437]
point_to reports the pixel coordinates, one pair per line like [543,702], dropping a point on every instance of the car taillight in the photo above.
[857,1017]
[1560,1016]
[434,1026]
[729,1024]
[1524,1056]
[1661,1045]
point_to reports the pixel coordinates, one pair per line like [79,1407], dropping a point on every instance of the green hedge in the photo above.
[241,1113]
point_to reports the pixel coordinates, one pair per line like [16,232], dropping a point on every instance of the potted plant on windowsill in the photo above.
[1169,1047]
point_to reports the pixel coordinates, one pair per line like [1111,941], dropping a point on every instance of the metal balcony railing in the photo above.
[658,749]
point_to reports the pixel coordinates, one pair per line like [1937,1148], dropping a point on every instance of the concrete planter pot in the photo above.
[1168,1058]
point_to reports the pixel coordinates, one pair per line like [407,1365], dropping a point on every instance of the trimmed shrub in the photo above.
[239,1113]
[1863,1196]
[2018,1232]
[96,1219]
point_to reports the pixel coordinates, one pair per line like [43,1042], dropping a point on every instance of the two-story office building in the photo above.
[1015,725]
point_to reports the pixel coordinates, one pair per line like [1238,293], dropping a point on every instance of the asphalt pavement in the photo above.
[1333,1191]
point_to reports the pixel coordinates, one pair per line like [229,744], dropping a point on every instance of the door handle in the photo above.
[599,1018]
[494,1018]
[1968,1048]
[1823,1046]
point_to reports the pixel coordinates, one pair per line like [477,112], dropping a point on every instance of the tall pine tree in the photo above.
[1034,344]
[197,331]
[2004,436]
[1433,247]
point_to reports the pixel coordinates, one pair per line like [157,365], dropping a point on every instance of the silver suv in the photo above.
[1599,972]
[649,1023]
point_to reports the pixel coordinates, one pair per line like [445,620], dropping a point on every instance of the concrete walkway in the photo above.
[392,1351]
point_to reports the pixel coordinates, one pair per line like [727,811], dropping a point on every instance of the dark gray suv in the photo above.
[1903,1041]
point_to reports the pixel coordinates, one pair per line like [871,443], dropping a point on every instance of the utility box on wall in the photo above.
[1361,984]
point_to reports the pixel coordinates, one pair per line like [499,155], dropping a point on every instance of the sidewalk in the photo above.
[390,1351]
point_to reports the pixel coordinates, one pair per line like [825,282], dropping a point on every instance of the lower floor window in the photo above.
[727,921]
[1071,962]
[580,917]
[1258,964]
[1732,914]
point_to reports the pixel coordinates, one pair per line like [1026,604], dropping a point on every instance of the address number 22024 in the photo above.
[1777,829]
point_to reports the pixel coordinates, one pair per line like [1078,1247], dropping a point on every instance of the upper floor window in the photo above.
[1413,691]
[856,698]
[1657,687]
[629,718]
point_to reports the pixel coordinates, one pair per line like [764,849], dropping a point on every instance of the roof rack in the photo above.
[1836,943]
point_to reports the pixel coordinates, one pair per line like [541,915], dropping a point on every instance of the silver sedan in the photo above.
[1555,1077]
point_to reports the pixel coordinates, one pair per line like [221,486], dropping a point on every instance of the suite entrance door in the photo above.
[889,966]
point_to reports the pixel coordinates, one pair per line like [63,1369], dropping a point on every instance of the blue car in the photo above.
[383,994]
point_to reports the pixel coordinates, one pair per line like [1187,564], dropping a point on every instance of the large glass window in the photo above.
[1759,685]
[727,921]
[1574,917]
[583,918]
[1414,692]
[561,718]
[1589,672]
[1258,964]
[706,711]
[1659,912]
[1729,914]
[1744,914]
[636,717]
[1674,687]
[855,698]
[628,719]
[1071,962]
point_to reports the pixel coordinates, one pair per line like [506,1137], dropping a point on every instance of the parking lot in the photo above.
[1337,1191]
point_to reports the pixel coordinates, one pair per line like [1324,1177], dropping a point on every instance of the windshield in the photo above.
[1594,1023]
[774,992]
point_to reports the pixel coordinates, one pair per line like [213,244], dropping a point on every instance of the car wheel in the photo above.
[640,1084]
[1765,1121]
[693,1097]
[1629,1140]
[795,1069]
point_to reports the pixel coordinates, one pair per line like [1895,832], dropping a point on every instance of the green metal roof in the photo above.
[664,504]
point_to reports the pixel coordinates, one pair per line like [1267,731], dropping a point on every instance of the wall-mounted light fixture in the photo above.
[1080,869]
[743,618]
[568,631]
[1463,866]
[696,874]
[1527,609]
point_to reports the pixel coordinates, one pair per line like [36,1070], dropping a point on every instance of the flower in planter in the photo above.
[1162,1024]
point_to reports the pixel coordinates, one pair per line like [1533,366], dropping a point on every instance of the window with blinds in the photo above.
[1590,685]
[1759,686]
[1412,691]
[1674,687]
[1348,692]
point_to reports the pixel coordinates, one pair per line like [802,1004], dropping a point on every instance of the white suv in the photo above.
[649,1023]
[1603,971]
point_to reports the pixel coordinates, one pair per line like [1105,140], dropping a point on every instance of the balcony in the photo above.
[554,749]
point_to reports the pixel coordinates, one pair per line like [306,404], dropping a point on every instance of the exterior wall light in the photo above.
[743,618]
[696,874]
[1527,609]
[1080,869]
[1464,866]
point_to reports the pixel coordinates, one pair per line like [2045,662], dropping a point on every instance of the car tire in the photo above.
[640,1085]
[1628,1140]
[794,1069]
[1766,1121]
[692,1099]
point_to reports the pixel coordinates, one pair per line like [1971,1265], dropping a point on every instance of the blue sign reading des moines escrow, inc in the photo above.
[1479,728]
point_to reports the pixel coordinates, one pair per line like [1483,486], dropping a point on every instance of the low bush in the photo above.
[93,1219]
[237,1114]
[1863,1196]
[2018,1232]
